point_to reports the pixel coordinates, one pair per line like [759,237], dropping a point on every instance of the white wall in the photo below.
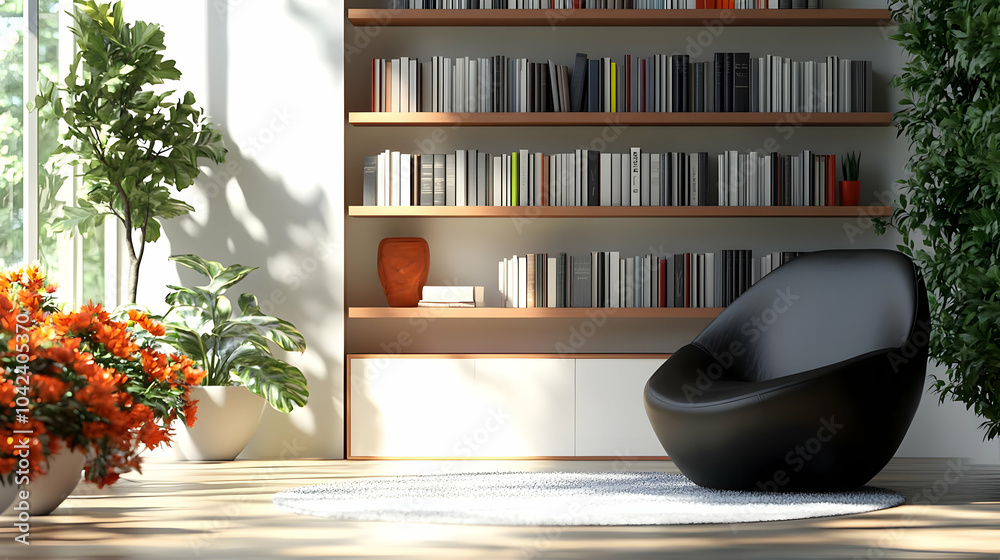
[270,73]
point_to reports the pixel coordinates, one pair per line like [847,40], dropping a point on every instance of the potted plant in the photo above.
[136,143]
[235,353]
[949,211]
[850,187]
[82,389]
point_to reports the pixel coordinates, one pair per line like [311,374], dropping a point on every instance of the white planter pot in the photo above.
[47,491]
[227,420]
[7,494]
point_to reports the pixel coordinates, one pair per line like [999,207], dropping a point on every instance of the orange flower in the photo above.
[153,327]
[190,413]
[115,337]
[49,389]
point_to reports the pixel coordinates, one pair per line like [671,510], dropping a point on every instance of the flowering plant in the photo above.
[84,380]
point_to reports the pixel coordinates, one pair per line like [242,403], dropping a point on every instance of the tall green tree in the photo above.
[949,212]
[136,145]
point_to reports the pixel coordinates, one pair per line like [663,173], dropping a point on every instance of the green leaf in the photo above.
[282,385]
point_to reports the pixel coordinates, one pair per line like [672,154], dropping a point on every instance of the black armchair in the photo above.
[808,381]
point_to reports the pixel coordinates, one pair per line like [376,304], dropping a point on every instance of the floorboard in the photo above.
[224,511]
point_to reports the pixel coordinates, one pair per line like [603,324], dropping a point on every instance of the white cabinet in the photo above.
[470,407]
[536,399]
[410,407]
[610,417]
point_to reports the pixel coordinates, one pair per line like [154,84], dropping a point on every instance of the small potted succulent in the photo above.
[850,187]
[234,351]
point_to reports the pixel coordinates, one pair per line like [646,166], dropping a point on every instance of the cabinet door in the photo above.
[610,416]
[527,407]
[411,407]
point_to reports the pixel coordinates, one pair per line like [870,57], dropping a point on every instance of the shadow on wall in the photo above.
[244,215]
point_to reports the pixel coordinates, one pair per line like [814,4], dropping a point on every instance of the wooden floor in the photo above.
[223,510]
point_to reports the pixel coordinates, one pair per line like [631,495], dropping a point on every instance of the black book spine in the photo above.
[741,82]
[594,86]
[727,87]
[676,99]
[718,98]
[685,83]
[578,83]
[699,87]
[593,178]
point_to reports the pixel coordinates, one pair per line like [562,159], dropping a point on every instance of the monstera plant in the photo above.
[949,211]
[232,348]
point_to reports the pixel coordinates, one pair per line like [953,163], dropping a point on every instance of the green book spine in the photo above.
[514,197]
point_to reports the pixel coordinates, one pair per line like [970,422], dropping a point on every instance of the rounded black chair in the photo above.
[807,381]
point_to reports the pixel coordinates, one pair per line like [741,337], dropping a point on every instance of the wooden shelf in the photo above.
[619,18]
[532,313]
[619,211]
[620,119]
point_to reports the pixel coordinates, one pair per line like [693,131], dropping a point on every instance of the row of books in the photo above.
[593,178]
[604,4]
[731,82]
[606,279]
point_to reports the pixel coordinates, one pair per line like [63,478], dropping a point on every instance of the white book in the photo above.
[733,178]
[474,85]
[550,282]
[453,293]
[522,281]
[404,84]
[626,184]
[710,280]
[435,85]
[536,168]
[822,102]
[461,179]
[497,180]
[502,282]
[616,179]
[584,159]
[722,189]
[796,106]
[405,179]
[524,177]
[635,177]
[394,85]
[382,179]
[655,180]
[394,176]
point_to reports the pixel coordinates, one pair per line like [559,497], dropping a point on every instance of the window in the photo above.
[31,202]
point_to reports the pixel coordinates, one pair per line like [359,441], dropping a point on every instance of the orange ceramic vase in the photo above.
[403,263]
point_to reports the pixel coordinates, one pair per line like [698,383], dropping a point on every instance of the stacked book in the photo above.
[603,4]
[606,279]
[452,296]
[730,82]
[593,178]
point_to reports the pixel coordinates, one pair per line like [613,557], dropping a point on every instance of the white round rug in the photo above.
[565,498]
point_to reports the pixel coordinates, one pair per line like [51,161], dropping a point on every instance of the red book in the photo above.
[831,180]
[700,5]
[663,282]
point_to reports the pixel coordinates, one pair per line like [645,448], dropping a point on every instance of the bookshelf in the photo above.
[618,18]
[623,119]
[532,313]
[466,240]
[619,211]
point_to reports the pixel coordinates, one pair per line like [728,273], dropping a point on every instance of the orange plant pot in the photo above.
[403,264]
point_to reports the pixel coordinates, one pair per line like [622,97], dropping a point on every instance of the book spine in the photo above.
[635,176]
[741,82]
[370,192]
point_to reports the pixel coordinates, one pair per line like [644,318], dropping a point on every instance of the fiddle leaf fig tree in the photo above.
[949,210]
[136,145]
